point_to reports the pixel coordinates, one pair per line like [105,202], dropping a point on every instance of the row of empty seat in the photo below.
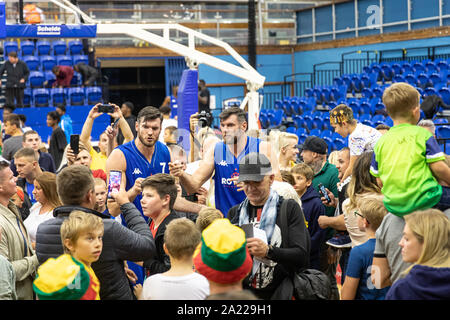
[46,63]
[44,47]
[43,97]
[37,79]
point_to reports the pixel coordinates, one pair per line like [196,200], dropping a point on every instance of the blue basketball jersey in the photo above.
[139,167]
[226,167]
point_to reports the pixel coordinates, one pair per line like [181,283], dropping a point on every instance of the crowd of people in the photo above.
[238,216]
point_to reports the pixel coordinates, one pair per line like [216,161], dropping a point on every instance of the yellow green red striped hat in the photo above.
[223,256]
[63,278]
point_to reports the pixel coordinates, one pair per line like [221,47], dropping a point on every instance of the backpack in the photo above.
[304,284]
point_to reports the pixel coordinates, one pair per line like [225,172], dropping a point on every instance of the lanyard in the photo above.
[23,237]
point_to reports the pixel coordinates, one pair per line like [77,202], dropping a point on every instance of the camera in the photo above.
[204,119]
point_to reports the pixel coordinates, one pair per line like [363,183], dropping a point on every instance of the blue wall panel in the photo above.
[324,19]
[304,22]
[345,15]
[395,10]
[424,8]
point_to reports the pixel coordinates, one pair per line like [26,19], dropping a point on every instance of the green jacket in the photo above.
[328,176]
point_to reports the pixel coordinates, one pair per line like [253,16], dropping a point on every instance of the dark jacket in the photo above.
[134,243]
[160,262]
[87,72]
[26,205]
[422,283]
[312,209]
[21,71]
[288,259]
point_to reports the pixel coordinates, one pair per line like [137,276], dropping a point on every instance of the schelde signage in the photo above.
[48,30]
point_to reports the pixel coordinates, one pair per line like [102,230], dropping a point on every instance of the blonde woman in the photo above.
[287,150]
[425,244]
[46,200]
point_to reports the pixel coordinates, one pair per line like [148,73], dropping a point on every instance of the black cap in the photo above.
[315,144]
[253,167]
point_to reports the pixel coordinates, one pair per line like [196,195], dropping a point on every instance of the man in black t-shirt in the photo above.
[58,140]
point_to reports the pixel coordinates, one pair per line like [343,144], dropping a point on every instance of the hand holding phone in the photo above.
[115,178]
[75,143]
[324,192]
[106,108]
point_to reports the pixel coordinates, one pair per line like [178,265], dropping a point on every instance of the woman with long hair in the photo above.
[425,244]
[47,199]
[361,183]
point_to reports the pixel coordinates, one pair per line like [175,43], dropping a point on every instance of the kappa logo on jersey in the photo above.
[137,171]
[223,163]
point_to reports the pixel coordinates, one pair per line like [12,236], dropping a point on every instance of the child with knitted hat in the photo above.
[361,138]
[70,276]
[223,258]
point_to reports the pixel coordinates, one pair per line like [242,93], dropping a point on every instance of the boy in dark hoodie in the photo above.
[312,209]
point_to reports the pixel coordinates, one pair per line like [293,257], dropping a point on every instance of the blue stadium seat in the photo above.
[10,46]
[378,119]
[364,108]
[263,120]
[291,130]
[94,95]
[27,48]
[397,68]
[378,92]
[443,132]
[278,104]
[398,78]
[76,79]
[435,78]
[389,121]
[407,68]
[80,58]
[32,62]
[296,107]
[302,137]
[41,97]
[431,67]
[75,47]
[326,133]
[339,143]
[76,96]
[43,47]
[430,91]
[442,65]
[49,77]
[445,94]
[423,81]
[48,62]
[59,47]
[307,121]
[64,60]
[27,95]
[419,67]
[411,79]
[36,79]
[367,93]
[57,96]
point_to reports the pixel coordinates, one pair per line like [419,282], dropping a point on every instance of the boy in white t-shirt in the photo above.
[181,238]
[361,138]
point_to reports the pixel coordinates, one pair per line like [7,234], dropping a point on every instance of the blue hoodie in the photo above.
[313,208]
[422,283]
